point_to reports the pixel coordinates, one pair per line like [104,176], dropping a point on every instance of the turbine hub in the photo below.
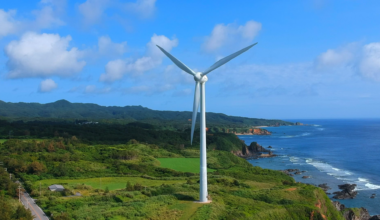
[199,78]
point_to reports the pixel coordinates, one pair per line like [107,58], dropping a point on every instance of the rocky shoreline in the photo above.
[347,192]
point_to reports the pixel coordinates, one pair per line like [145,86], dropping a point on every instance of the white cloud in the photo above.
[42,55]
[116,69]
[336,57]
[46,18]
[92,10]
[370,63]
[47,85]
[109,48]
[8,25]
[143,8]
[231,34]
[352,58]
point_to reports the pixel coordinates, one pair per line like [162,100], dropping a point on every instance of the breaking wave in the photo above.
[298,135]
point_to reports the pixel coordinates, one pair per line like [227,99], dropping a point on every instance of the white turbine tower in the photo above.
[199,97]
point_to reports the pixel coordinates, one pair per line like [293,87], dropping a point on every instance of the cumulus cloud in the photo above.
[370,63]
[143,8]
[109,48]
[8,23]
[355,58]
[336,57]
[231,34]
[47,85]
[92,10]
[116,69]
[42,55]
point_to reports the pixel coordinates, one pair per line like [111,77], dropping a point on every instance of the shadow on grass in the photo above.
[184,197]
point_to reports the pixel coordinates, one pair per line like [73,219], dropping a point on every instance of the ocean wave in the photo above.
[344,175]
[298,135]
[329,170]
[320,129]
[316,125]
[372,186]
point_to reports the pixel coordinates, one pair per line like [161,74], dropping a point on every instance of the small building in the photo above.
[56,188]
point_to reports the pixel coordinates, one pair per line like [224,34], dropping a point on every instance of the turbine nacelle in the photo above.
[198,77]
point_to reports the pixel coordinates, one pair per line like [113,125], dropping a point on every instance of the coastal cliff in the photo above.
[254,131]
[254,150]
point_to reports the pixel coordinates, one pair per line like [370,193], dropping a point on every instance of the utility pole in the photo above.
[19,193]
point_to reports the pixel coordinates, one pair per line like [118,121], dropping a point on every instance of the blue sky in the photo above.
[314,59]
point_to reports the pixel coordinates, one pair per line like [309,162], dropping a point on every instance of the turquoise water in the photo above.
[331,151]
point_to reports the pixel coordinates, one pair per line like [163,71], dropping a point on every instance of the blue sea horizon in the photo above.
[332,151]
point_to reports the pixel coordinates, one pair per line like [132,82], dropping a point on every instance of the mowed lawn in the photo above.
[3,140]
[113,183]
[182,164]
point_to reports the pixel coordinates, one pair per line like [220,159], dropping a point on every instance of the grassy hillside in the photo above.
[127,181]
[63,109]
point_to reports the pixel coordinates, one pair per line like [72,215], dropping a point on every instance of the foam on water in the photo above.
[298,135]
[330,170]
[345,175]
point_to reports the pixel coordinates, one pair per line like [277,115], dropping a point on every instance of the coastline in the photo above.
[316,177]
[310,149]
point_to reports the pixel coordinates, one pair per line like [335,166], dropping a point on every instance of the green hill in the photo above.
[63,109]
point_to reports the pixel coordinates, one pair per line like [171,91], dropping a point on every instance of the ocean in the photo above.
[330,151]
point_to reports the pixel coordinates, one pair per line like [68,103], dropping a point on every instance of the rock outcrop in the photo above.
[350,214]
[324,186]
[254,150]
[347,192]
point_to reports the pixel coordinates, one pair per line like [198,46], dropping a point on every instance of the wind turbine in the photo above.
[199,98]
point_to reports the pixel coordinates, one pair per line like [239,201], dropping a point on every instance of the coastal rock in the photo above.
[254,150]
[363,214]
[297,173]
[324,186]
[373,196]
[339,206]
[347,192]
[349,214]
[270,147]
[305,177]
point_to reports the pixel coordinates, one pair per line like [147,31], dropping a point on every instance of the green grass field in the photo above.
[182,164]
[113,183]
[3,140]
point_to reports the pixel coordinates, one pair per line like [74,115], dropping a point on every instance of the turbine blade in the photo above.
[226,59]
[195,109]
[177,62]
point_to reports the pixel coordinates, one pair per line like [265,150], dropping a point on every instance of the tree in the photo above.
[5,210]
[138,186]
[129,186]
[107,190]
[51,147]
[22,213]
[36,167]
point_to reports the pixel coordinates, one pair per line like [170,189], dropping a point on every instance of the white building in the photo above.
[56,188]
